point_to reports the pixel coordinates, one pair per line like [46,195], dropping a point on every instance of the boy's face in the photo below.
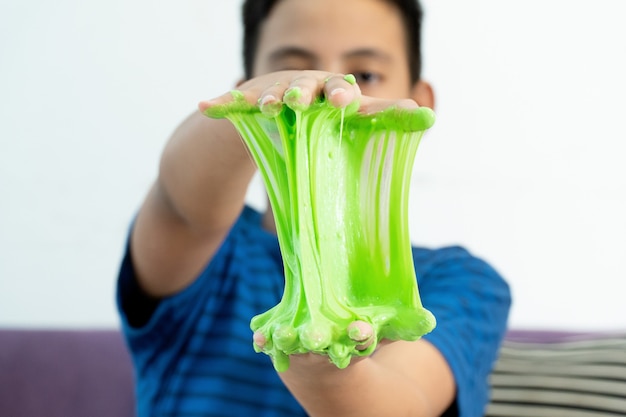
[362,37]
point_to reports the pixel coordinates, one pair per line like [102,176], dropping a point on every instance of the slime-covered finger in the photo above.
[295,100]
[259,340]
[342,91]
[362,333]
[338,184]
[270,106]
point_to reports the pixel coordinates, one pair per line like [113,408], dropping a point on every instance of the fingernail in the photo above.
[259,339]
[206,103]
[337,91]
[266,99]
[359,331]
[270,106]
[293,94]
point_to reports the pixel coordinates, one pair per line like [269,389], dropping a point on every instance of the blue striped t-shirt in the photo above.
[193,352]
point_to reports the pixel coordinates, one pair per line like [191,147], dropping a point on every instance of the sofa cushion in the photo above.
[550,374]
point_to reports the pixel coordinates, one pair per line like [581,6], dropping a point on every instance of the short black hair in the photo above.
[254,13]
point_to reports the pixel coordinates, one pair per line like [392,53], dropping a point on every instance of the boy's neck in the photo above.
[267,222]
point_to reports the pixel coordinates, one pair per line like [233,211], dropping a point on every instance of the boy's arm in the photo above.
[203,177]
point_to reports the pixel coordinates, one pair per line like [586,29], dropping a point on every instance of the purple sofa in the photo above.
[88,373]
[65,373]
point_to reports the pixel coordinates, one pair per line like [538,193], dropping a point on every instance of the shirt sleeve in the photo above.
[471,303]
[154,326]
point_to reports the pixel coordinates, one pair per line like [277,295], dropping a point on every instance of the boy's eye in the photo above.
[366,77]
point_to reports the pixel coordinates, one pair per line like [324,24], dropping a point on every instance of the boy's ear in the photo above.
[423,94]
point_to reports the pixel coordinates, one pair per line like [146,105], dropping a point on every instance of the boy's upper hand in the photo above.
[297,89]
[205,171]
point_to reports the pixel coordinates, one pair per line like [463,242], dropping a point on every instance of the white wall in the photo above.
[524,165]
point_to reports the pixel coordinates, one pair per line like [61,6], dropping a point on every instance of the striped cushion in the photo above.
[568,375]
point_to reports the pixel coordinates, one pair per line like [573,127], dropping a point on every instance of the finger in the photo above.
[233,95]
[362,333]
[270,100]
[302,92]
[341,90]
[259,339]
[370,105]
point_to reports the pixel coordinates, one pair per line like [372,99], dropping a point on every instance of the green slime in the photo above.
[338,183]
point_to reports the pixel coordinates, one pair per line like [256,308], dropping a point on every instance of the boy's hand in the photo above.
[298,89]
[399,378]
[359,331]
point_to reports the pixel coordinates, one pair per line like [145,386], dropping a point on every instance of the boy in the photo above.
[200,264]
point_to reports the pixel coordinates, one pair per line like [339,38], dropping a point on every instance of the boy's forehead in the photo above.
[304,27]
[330,13]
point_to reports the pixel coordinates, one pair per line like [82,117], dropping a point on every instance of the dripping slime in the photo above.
[338,184]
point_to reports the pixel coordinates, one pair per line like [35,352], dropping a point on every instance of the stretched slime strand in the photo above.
[338,183]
